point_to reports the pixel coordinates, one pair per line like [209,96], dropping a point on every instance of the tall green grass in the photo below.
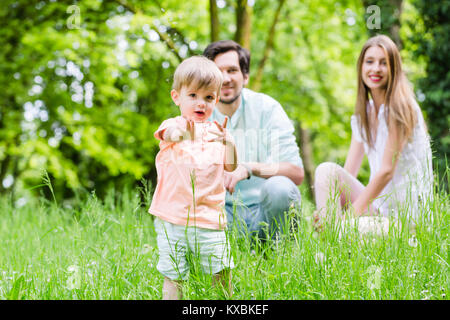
[95,249]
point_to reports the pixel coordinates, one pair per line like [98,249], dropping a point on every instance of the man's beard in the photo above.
[231,100]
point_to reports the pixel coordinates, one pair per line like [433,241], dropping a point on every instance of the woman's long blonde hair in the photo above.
[399,100]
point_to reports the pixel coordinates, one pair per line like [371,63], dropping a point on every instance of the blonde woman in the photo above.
[389,128]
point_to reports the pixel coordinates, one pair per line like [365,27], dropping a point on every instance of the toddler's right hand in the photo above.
[190,130]
[177,134]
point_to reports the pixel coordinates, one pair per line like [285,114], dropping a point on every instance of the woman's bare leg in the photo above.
[333,184]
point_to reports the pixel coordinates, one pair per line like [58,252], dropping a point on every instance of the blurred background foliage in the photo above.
[86,83]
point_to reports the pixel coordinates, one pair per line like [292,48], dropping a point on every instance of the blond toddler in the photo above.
[190,194]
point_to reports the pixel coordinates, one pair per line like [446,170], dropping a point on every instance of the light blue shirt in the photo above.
[263,133]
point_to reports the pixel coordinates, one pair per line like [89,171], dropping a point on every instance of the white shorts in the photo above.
[210,248]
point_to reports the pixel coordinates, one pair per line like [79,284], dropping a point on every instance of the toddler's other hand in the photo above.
[176,135]
[179,132]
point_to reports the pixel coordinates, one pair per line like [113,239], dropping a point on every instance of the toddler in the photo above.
[189,196]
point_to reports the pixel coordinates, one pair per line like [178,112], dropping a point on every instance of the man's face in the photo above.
[233,78]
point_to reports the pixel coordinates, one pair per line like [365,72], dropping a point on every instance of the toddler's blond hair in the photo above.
[197,71]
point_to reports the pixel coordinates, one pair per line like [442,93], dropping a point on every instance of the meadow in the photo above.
[92,249]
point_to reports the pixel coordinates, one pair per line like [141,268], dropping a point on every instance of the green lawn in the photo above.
[96,249]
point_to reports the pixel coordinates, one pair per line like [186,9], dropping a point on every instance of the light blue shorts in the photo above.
[180,247]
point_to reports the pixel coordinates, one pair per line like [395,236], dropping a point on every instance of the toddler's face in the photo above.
[195,104]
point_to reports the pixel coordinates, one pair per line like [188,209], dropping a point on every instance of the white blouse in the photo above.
[412,183]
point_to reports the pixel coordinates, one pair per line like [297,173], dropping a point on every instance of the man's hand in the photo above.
[232,178]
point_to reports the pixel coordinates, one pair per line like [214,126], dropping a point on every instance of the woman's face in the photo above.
[375,73]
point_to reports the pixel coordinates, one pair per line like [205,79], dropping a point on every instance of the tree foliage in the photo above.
[432,36]
[86,83]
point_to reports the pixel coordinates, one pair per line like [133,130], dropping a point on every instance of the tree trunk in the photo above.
[394,29]
[214,19]
[306,152]
[243,24]
[3,170]
[256,83]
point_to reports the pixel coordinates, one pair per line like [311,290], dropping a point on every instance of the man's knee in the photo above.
[278,194]
[281,188]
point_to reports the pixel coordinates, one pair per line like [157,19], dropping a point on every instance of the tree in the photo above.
[256,83]
[214,20]
[87,83]
[432,37]
[78,103]
[390,13]
[243,23]
[293,65]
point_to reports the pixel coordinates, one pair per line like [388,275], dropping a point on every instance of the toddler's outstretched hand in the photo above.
[230,158]
[223,135]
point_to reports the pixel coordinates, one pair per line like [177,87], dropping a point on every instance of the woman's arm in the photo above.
[354,158]
[391,154]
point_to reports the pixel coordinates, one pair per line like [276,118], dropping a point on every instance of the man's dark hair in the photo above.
[222,46]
